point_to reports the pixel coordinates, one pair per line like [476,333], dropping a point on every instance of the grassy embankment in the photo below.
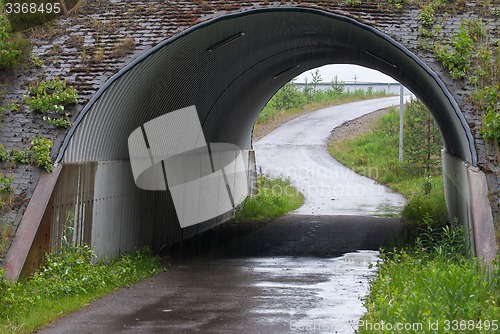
[428,285]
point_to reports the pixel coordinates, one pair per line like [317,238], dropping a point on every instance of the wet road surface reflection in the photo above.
[283,276]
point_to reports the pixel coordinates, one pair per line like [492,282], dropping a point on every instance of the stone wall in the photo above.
[91,45]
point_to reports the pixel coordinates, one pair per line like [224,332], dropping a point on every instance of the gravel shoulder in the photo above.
[357,127]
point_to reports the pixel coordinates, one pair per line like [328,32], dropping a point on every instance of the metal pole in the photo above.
[401,116]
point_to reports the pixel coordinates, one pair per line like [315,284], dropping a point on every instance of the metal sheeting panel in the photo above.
[118,221]
[108,211]
[71,205]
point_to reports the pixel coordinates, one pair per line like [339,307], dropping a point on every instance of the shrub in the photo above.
[488,99]
[10,53]
[50,96]
[39,151]
[457,56]
[6,183]
[426,15]
[4,153]
[422,138]
[397,3]
[428,201]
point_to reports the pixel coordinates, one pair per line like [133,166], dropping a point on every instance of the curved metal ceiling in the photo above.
[229,67]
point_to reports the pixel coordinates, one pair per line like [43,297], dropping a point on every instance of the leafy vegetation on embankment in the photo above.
[67,281]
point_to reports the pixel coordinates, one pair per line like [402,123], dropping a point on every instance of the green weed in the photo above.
[37,153]
[397,3]
[6,234]
[275,198]
[50,96]
[62,122]
[457,56]
[488,99]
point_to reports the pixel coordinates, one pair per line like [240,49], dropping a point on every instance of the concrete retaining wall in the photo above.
[467,199]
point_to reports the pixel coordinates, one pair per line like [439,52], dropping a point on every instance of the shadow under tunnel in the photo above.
[290,235]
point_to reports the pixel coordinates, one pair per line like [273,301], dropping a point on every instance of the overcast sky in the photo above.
[347,73]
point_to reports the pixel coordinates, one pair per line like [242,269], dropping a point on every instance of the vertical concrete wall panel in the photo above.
[457,191]
[481,213]
[116,221]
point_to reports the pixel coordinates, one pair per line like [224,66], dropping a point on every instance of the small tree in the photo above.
[337,86]
[288,97]
[308,90]
[315,81]
[422,138]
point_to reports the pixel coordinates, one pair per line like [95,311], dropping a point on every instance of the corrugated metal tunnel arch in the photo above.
[229,67]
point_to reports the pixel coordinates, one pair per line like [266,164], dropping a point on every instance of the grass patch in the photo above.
[375,155]
[66,282]
[275,198]
[432,284]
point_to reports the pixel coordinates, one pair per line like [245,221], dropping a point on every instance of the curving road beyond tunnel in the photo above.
[297,150]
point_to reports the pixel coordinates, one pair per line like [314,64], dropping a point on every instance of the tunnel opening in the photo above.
[292,140]
[228,68]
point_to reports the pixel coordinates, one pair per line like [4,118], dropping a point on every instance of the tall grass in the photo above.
[275,198]
[66,282]
[430,286]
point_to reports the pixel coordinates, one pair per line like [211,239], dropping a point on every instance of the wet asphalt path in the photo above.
[270,277]
[299,273]
[297,150]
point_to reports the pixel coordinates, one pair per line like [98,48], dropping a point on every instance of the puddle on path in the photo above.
[311,294]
